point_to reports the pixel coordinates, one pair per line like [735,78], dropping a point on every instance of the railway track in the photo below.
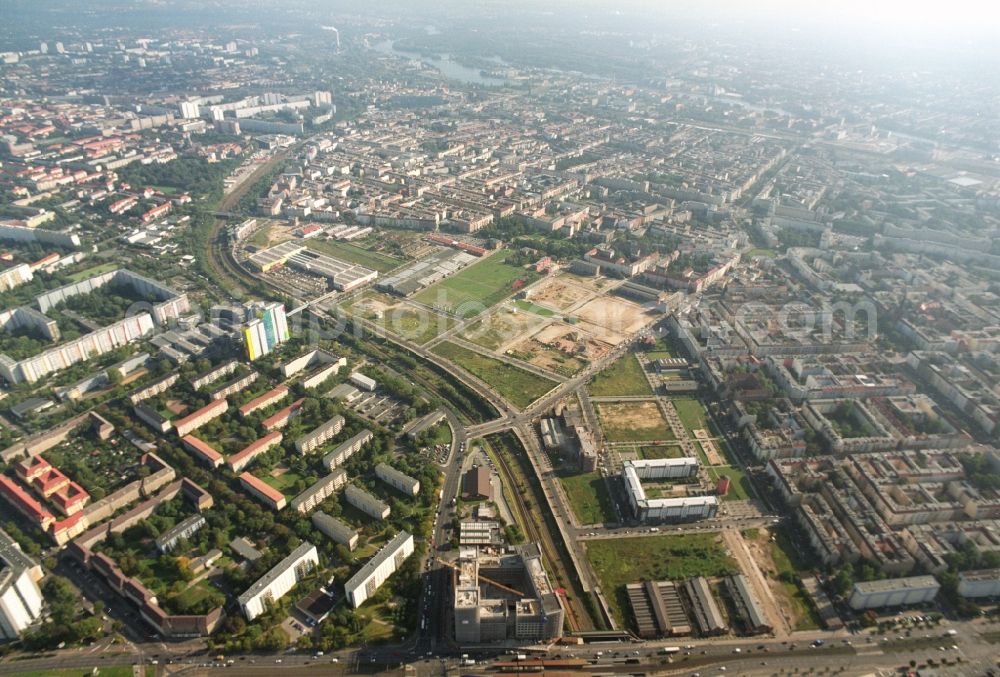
[458,407]
[220,256]
[576,614]
[227,268]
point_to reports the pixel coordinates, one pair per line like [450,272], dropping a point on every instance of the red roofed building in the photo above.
[32,467]
[45,261]
[24,503]
[281,419]
[122,205]
[312,230]
[49,482]
[70,499]
[202,451]
[265,400]
[65,529]
[263,492]
[243,458]
[204,415]
[156,212]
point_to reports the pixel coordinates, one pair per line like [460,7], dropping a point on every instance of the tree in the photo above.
[843,580]
[274,639]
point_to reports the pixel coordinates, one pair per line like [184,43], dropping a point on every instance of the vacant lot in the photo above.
[477,287]
[619,561]
[692,414]
[529,307]
[355,254]
[500,328]
[623,377]
[412,323]
[633,422]
[560,293]
[416,324]
[610,319]
[589,497]
[650,453]
[519,387]
[781,564]
[546,357]
[572,339]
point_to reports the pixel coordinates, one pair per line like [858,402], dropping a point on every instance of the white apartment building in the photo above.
[399,481]
[20,598]
[366,503]
[377,570]
[279,580]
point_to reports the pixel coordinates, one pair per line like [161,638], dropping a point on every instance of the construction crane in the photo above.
[488,580]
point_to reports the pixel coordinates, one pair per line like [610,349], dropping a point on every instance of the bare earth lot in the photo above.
[502,328]
[571,339]
[610,319]
[633,421]
[546,357]
[559,293]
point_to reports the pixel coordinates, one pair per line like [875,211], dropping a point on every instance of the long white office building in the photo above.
[279,580]
[20,597]
[979,583]
[665,468]
[377,570]
[678,509]
[893,592]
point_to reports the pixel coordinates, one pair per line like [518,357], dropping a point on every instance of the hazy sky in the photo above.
[928,18]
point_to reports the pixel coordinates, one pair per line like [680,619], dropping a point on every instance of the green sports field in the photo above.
[478,287]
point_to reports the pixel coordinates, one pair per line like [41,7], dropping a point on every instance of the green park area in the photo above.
[691,413]
[588,495]
[660,451]
[529,307]
[620,561]
[518,386]
[739,487]
[285,482]
[88,273]
[477,287]
[623,378]
[663,349]
[439,434]
[419,326]
[355,254]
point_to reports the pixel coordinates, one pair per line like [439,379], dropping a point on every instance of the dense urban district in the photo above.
[355,349]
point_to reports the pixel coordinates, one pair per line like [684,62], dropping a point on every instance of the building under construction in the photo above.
[505,595]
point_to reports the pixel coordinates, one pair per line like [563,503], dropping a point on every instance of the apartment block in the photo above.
[277,582]
[320,435]
[378,569]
